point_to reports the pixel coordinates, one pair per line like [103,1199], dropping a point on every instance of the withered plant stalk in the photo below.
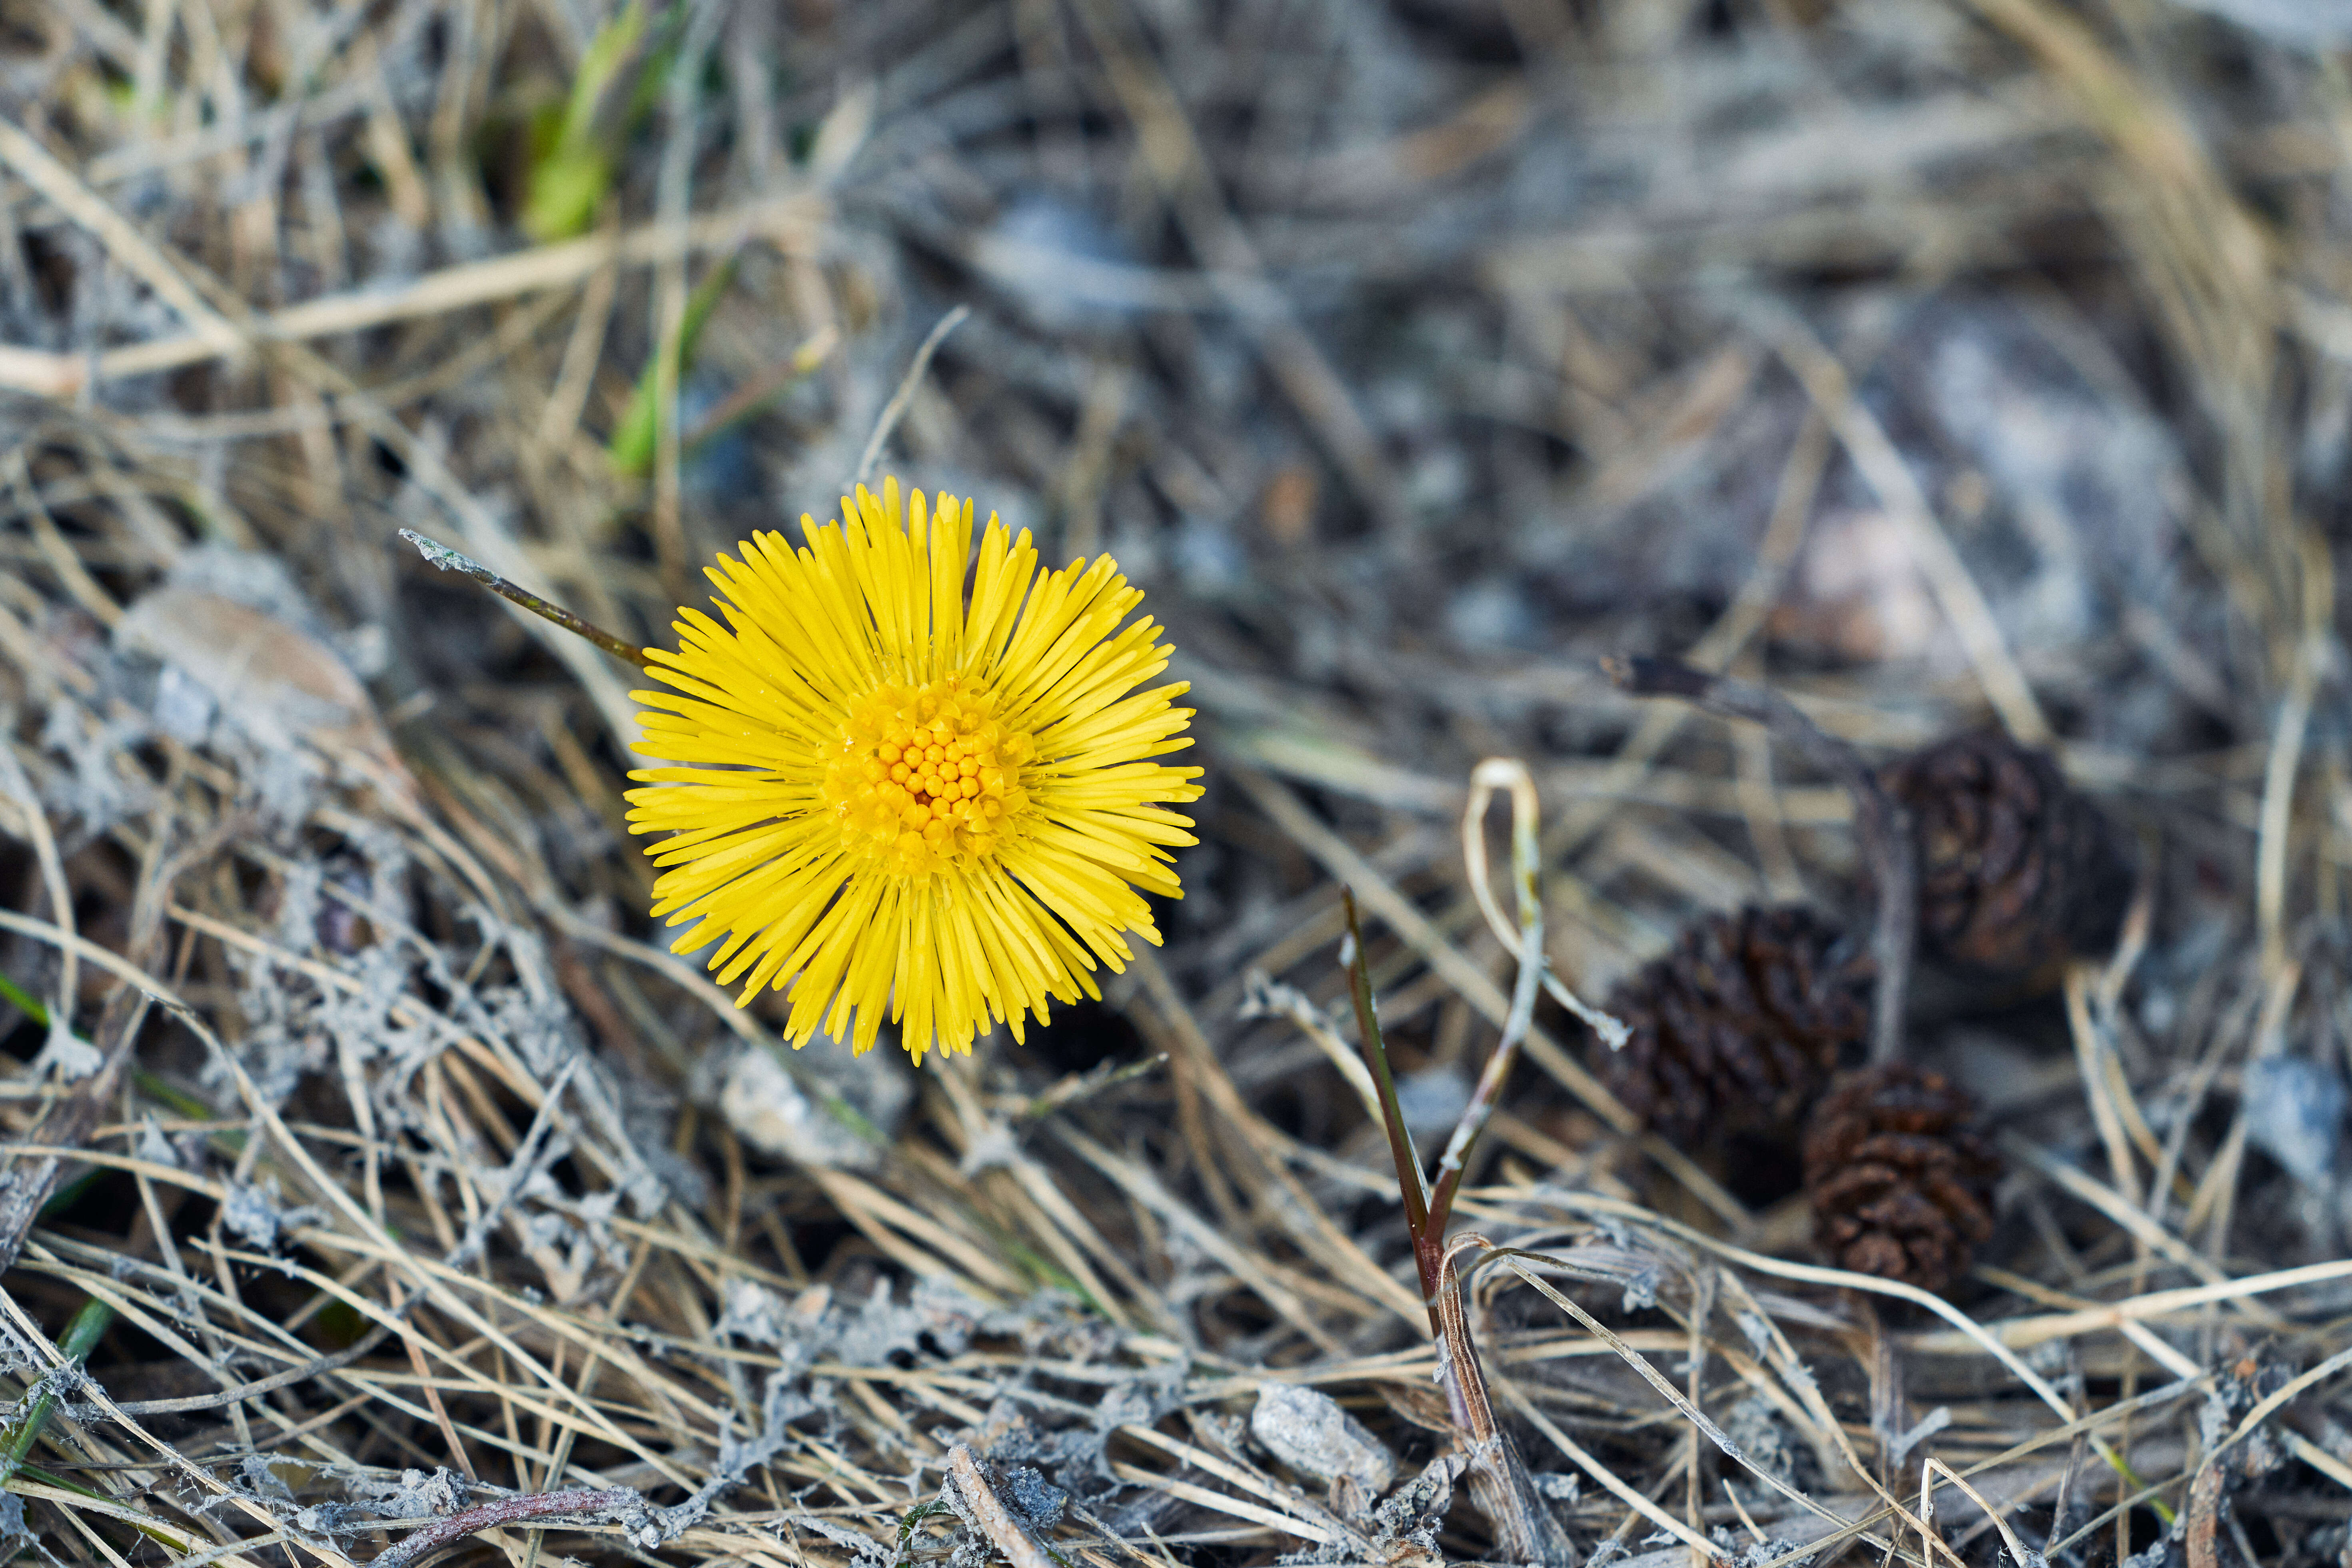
[1500,1484]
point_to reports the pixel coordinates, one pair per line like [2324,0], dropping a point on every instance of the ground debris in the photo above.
[1307,1430]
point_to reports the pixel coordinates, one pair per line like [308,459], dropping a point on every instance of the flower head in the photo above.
[886,793]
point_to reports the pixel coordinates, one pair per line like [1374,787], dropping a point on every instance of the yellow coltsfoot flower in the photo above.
[887,795]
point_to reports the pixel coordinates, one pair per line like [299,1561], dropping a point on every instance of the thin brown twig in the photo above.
[447,560]
[579,1502]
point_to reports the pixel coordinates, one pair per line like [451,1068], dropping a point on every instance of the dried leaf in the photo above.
[281,688]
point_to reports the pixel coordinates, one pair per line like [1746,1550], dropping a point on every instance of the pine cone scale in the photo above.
[1875,1254]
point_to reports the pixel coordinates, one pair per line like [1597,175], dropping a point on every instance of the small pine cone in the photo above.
[1740,1025]
[1899,1186]
[2015,868]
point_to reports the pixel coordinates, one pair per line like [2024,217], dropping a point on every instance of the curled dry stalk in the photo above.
[1500,1484]
[1527,858]
[1881,824]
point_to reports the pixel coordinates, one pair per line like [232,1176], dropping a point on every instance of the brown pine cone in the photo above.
[1740,1025]
[2016,869]
[1900,1186]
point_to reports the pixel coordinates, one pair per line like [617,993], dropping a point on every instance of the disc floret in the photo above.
[928,776]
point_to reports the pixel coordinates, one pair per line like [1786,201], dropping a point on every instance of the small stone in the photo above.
[1305,1430]
[1036,1499]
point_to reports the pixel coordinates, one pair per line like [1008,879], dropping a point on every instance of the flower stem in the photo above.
[447,560]
[1500,1486]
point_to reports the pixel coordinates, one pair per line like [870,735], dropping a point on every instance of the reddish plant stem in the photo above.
[1427,1248]
[1500,1486]
[1457,1158]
